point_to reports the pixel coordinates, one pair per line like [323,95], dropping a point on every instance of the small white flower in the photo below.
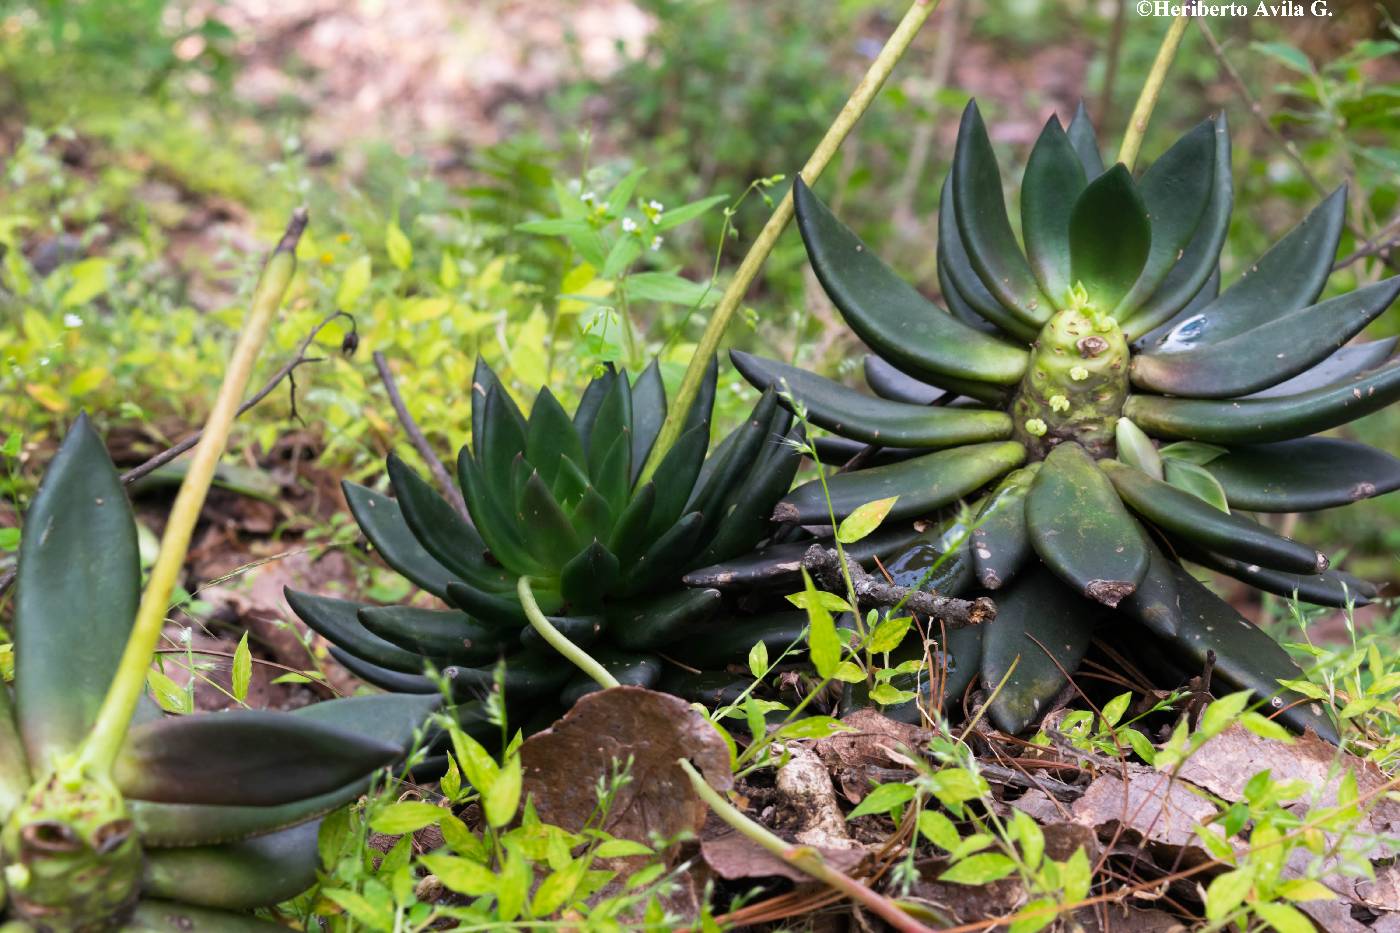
[655,243]
[43,361]
[629,225]
[588,197]
[72,320]
[656,206]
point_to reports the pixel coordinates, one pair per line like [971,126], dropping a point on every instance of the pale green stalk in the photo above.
[580,658]
[99,750]
[859,101]
[1151,90]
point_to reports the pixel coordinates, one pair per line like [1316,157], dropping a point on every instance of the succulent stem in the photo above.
[580,658]
[1151,90]
[1075,385]
[895,47]
[99,750]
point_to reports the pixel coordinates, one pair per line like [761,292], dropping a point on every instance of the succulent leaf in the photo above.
[1085,142]
[648,412]
[586,579]
[1109,238]
[338,621]
[1053,181]
[382,677]
[1304,475]
[382,522]
[646,624]
[153,915]
[236,875]
[1001,542]
[887,382]
[1340,366]
[433,522]
[1329,588]
[964,291]
[78,586]
[446,637]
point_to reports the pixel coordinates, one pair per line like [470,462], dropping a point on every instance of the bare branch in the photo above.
[419,441]
[825,566]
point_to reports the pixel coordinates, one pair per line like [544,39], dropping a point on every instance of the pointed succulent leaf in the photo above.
[1261,420]
[667,558]
[337,621]
[1266,355]
[612,426]
[702,408]
[546,527]
[888,314]
[590,403]
[1154,604]
[1176,190]
[582,630]
[887,382]
[589,577]
[734,459]
[492,608]
[436,524]
[1339,367]
[1329,588]
[1304,475]
[650,623]
[1196,275]
[490,509]
[629,533]
[446,637]
[1196,480]
[874,420]
[648,412]
[1053,180]
[382,522]
[502,439]
[965,292]
[247,757]
[985,229]
[1136,449]
[78,582]
[1245,657]
[1287,277]
[1109,237]
[1085,142]
[1048,627]
[1181,514]
[675,479]
[528,674]
[922,484]
[549,436]
[838,451]
[1080,529]
[1000,541]
[743,518]
[236,875]
[778,566]
[382,677]
[630,669]
[152,915]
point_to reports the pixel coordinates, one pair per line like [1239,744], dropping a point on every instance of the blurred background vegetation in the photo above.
[449,149]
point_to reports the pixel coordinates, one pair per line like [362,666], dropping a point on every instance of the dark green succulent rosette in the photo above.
[1110,411]
[562,499]
[202,815]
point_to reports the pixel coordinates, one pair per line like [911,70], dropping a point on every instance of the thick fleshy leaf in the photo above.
[484,379]
[1189,278]
[550,435]
[1266,355]
[1048,627]
[590,403]
[675,479]
[873,420]
[1176,190]
[1085,142]
[744,517]
[838,451]
[1304,474]
[581,630]
[631,670]
[392,717]
[610,450]
[648,412]
[493,608]
[1001,542]
[237,875]
[1261,420]
[1288,277]
[645,624]
[382,677]
[528,674]
[985,229]
[1052,183]
[1329,588]
[1245,658]
[734,459]
[436,524]
[14,763]
[492,511]
[962,284]
[888,314]
[1339,367]
[156,916]
[1181,514]
[1136,449]
[1193,478]
[667,558]
[1078,526]
[729,639]
[502,439]
[246,757]
[922,484]
[338,621]
[703,407]
[1155,603]
[382,522]
[589,577]
[78,585]
[1109,237]
[887,382]
[447,637]
[779,566]
[545,526]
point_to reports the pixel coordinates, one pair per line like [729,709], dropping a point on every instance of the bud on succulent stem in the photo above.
[99,750]
[1075,385]
[864,94]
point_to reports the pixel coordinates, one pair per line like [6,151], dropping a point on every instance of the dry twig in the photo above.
[824,564]
[419,441]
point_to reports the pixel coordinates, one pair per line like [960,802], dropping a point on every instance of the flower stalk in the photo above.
[1151,90]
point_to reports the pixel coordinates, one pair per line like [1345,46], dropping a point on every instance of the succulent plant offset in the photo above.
[202,814]
[1114,410]
[561,500]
